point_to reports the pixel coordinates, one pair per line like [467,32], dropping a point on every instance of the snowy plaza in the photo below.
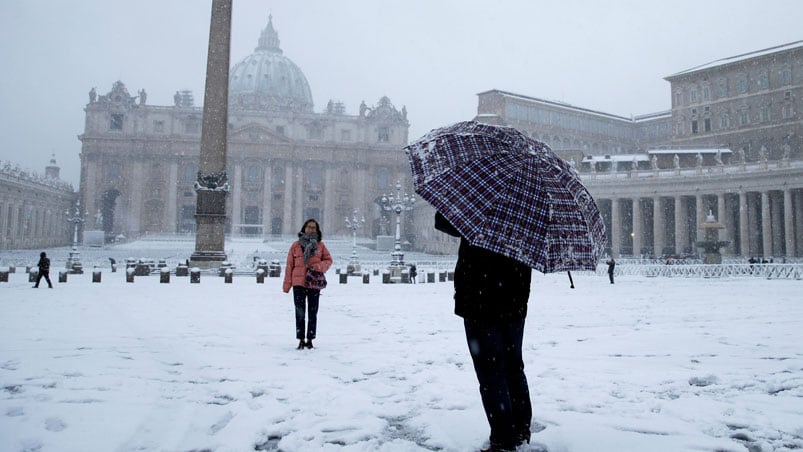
[646,364]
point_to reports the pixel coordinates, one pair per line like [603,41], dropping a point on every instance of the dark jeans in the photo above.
[495,348]
[45,275]
[610,276]
[306,300]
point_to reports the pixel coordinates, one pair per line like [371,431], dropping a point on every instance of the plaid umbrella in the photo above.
[509,194]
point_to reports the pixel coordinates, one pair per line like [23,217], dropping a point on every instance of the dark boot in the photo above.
[309,343]
[301,345]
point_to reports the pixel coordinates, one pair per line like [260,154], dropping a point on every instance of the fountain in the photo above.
[711,243]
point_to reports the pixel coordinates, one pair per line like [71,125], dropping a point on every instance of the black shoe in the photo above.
[35,287]
[309,343]
[301,345]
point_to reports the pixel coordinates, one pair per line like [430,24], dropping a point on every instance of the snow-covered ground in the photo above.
[647,364]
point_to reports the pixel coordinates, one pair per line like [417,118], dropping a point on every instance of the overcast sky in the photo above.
[432,56]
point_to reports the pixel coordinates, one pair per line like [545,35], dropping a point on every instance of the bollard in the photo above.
[12,269]
[260,276]
[195,275]
[376,272]
[4,274]
[275,269]
[431,277]
[62,276]
[27,269]
[344,278]
[385,278]
[32,274]
[182,270]
[129,274]
[95,276]
[366,278]
[164,275]
[450,276]
[442,277]
[224,266]
[227,277]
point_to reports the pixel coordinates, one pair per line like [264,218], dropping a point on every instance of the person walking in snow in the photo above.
[306,253]
[611,265]
[490,294]
[44,270]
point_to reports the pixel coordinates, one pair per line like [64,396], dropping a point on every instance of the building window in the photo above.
[117,122]
[744,118]
[763,81]
[694,126]
[707,124]
[694,95]
[345,135]
[786,76]
[678,99]
[190,173]
[787,111]
[706,93]
[383,134]
[113,172]
[277,176]
[192,126]
[315,132]
[725,121]
[741,85]
[765,114]
[382,179]
[787,95]
[253,174]
[158,126]
[722,88]
[314,177]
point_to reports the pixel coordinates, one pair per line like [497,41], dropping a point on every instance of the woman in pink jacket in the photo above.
[306,252]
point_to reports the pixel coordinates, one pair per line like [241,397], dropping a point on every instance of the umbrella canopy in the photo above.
[509,194]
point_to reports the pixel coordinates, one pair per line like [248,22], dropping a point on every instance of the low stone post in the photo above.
[32,274]
[3,274]
[442,277]
[195,275]
[129,274]
[344,278]
[95,275]
[431,277]
[12,269]
[260,276]
[385,277]
[366,278]
[164,275]
[450,276]
[224,266]
[228,276]
[182,270]
[63,276]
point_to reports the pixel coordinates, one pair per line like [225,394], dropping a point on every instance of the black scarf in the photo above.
[310,245]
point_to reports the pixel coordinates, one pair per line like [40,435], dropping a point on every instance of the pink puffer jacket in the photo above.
[295,270]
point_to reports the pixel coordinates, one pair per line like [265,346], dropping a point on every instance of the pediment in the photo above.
[256,133]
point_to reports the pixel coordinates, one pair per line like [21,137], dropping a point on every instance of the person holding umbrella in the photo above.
[516,206]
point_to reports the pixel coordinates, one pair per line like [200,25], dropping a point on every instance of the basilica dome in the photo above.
[268,80]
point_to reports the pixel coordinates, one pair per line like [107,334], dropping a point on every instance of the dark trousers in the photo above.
[610,276]
[306,300]
[496,351]
[46,275]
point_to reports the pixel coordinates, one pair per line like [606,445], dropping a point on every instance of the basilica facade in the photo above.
[286,162]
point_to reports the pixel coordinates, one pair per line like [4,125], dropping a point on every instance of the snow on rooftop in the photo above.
[738,58]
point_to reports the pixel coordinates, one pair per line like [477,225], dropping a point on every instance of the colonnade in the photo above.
[761,210]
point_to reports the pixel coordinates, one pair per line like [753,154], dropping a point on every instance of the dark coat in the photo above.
[44,264]
[487,285]
[611,265]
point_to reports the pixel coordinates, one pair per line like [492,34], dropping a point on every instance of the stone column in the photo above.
[681,234]
[701,216]
[171,209]
[137,188]
[788,224]
[330,223]
[797,200]
[212,185]
[777,223]
[724,218]
[289,183]
[637,227]
[616,228]
[298,199]
[766,225]
[658,226]
[267,197]
[744,225]
[236,200]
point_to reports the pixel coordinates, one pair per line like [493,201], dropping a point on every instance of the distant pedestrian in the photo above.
[611,265]
[413,273]
[44,270]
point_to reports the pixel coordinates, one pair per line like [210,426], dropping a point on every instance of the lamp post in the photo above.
[398,204]
[354,223]
[74,261]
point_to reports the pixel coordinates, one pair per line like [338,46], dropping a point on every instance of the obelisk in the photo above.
[212,185]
